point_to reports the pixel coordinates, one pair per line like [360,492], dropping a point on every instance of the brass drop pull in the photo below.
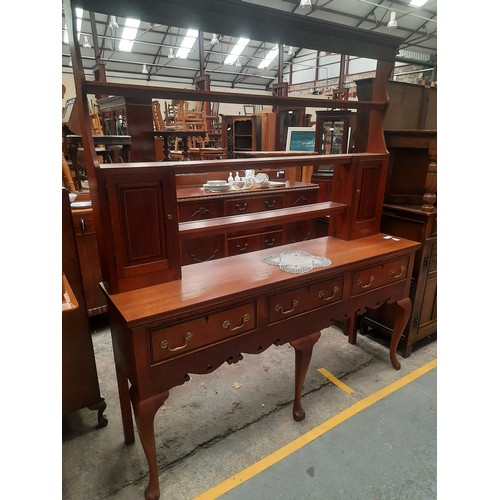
[241,208]
[393,274]
[242,248]
[164,344]
[269,243]
[227,323]
[270,204]
[322,294]
[279,308]
[365,285]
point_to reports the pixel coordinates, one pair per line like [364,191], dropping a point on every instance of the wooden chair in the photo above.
[186,119]
[158,121]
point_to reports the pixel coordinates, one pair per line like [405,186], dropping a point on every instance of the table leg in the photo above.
[145,411]
[126,410]
[166,149]
[303,352]
[403,312]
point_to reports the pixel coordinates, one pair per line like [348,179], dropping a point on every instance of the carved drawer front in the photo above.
[377,276]
[249,205]
[307,298]
[251,243]
[304,197]
[83,222]
[200,210]
[175,339]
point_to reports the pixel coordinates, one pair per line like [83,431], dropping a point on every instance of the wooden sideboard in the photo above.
[195,204]
[169,320]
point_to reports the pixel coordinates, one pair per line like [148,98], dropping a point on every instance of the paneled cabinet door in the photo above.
[144,228]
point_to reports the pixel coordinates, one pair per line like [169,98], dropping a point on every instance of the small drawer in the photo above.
[377,276]
[199,211]
[175,339]
[251,243]
[287,304]
[249,205]
[83,221]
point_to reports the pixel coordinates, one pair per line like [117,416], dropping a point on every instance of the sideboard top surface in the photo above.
[246,274]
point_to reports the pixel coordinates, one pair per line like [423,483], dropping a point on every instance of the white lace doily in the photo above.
[296,261]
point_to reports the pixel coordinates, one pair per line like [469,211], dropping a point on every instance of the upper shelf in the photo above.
[254,21]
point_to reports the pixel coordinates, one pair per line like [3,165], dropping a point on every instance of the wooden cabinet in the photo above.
[195,206]
[241,133]
[80,385]
[333,136]
[288,117]
[333,132]
[86,242]
[131,116]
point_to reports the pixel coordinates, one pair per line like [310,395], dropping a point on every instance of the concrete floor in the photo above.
[218,424]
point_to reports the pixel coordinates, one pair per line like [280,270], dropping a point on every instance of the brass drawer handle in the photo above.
[270,204]
[242,208]
[279,308]
[227,323]
[363,285]
[393,274]
[269,243]
[164,344]
[322,294]
[242,248]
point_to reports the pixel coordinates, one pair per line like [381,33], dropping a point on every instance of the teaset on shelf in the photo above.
[249,181]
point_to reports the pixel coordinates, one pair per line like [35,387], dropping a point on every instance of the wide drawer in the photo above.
[249,205]
[307,298]
[374,277]
[168,341]
[200,210]
[83,221]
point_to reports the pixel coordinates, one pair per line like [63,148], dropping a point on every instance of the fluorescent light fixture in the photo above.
[187,44]
[113,23]
[237,63]
[392,23]
[305,3]
[270,57]
[237,50]
[215,39]
[290,51]
[171,54]
[86,42]
[79,15]
[144,69]
[129,34]
[417,3]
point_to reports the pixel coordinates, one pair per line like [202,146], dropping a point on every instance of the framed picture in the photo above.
[300,139]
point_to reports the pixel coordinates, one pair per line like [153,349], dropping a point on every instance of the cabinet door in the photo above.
[363,192]
[143,224]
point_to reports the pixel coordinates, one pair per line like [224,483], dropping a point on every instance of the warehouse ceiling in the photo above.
[153,54]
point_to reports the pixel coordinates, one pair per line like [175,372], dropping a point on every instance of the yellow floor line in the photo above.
[335,380]
[310,436]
